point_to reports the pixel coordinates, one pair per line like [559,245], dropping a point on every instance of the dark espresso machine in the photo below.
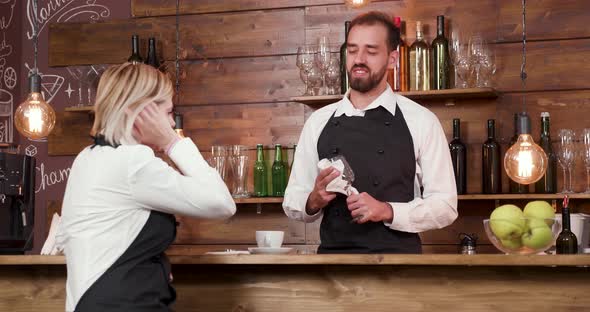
[17,203]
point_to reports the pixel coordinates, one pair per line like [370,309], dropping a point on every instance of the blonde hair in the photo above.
[123,91]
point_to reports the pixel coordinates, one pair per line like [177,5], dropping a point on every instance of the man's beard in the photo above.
[364,85]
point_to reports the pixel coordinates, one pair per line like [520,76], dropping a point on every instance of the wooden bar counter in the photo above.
[261,283]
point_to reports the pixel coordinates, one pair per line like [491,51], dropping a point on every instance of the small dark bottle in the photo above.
[459,158]
[566,242]
[135,57]
[152,57]
[548,183]
[491,166]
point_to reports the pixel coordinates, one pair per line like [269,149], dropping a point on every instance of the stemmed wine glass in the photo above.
[585,145]
[323,59]
[305,62]
[566,157]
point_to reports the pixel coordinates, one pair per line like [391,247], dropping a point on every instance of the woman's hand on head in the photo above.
[152,128]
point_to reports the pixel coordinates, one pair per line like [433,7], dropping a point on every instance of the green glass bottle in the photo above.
[279,173]
[547,184]
[440,57]
[343,73]
[260,181]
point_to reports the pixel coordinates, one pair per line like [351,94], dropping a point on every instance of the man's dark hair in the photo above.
[375,17]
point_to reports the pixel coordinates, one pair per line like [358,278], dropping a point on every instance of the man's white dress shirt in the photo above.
[435,208]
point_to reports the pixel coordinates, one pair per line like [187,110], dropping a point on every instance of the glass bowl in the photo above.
[524,236]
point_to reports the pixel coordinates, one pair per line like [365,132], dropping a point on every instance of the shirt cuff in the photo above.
[171,145]
[401,216]
[187,158]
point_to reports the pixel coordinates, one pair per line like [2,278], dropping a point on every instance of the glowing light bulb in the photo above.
[357,3]
[34,118]
[525,162]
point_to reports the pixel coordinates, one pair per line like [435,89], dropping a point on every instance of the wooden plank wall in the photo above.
[238,73]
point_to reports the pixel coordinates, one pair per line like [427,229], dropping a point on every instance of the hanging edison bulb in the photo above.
[355,4]
[34,118]
[525,162]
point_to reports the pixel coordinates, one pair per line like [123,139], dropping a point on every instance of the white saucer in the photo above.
[269,250]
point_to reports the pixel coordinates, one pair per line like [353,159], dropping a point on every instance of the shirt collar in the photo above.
[387,99]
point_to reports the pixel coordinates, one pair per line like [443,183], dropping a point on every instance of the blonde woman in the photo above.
[117,214]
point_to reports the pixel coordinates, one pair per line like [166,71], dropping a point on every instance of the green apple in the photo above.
[537,235]
[512,244]
[507,222]
[539,209]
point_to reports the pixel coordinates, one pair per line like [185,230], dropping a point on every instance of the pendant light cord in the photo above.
[176,60]
[523,74]
[35,70]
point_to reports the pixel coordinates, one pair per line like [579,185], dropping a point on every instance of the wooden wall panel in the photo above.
[241,228]
[252,33]
[142,8]
[546,19]
[244,124]
[329,20]
[241,80]
[551,65]
[70,135]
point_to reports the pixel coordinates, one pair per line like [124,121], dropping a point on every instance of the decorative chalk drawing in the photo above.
[8,77]
[57,11]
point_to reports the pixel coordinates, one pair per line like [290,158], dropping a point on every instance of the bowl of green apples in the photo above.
[524,232]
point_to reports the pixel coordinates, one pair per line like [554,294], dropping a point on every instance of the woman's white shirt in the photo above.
[110,193]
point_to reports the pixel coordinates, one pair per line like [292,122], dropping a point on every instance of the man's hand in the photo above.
[319,197]
[364,208]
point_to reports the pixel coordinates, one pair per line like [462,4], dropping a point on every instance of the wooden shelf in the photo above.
[470,93]
[80,109]
[521,196]
[279,200]
[259,200]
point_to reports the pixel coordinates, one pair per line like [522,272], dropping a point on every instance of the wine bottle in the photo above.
[566,242]
[393,75]
[491,168]
[516,188]
[403,61]
[152,57]
[135,56]
[260,180]
[459,157]
[419,62]
[279,173]
[440,57]
[178,125]
[548,183]
[344,83]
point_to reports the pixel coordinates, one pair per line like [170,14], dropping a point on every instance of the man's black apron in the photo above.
[380,150]
[139,279]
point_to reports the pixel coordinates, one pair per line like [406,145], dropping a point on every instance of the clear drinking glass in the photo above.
[239,164]
[566,157]
[585,146]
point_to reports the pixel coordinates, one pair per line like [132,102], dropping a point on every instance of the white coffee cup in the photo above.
[272,239]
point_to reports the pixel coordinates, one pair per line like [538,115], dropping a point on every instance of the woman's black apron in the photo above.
[380,150]
[140,279]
